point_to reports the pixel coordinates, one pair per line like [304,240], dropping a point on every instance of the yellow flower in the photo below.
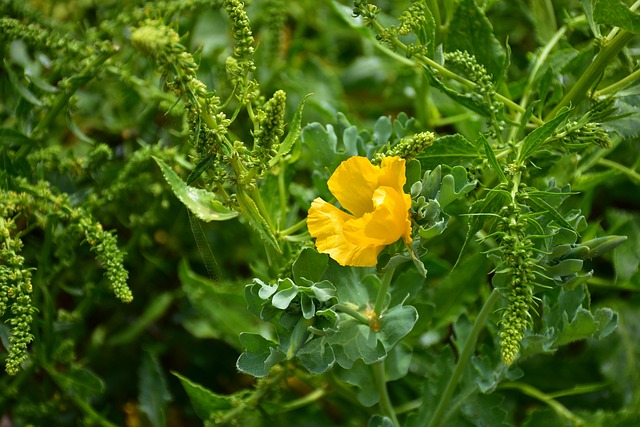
[378,206]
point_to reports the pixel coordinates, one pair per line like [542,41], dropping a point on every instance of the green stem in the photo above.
[294,228]
[382,292]
[343,308]
[465,355]
[594,70]
[385,402]
[558,407]
[633,175]
[619,84]
[305,400]
[428,63]
[524,101]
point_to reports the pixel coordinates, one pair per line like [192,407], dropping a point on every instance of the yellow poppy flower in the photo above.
[378,211]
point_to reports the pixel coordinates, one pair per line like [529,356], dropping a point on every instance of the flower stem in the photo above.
[385,402]
[382,292]
[595,69]
[343,308]
[438,416]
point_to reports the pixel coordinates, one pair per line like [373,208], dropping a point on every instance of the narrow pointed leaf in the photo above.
[292,136]
[201,203]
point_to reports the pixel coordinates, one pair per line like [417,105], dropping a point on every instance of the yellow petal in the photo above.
[353,184]
[393,173]
[325,222]
[385,225]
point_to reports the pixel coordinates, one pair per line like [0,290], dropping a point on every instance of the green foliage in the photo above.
[167,153]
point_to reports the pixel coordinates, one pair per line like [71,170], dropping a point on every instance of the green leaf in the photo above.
[535,139]
[288,291]
[491,157]
[379,420]
[454,185]
[79,382]
[201,203]
[260,355]
[587,325]
[221,308]
[310,264]
[617,14]
[360,375]
[471,31]
[11,137]
[154,394]
[205,402]
[294,133]
[200,168]
[316,357]
[25,93]
[478,212]
[459,289]
[536,201]
[252,214]
[449,150]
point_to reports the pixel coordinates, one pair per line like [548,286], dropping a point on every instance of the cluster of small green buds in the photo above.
[366,10]
[412,18]
[156,40]
[242,35]
[519,264]
[408,148]
[579,132]
[271,127]
[15,287]
[484,91]
[104,244]
[276,13]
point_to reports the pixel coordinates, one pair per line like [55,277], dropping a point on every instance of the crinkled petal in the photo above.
[392,173]
[325,222]
[386,224]
[353,184]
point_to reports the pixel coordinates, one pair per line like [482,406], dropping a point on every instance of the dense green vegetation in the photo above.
[159,160]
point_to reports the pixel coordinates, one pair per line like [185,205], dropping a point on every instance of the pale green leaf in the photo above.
[201,203]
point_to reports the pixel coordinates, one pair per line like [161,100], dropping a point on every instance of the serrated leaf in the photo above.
[471,31]
[491,158]
[539,136]
[200,202]
[154,394]
[450,150]
[294,133]
[617,14]
[204,401]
